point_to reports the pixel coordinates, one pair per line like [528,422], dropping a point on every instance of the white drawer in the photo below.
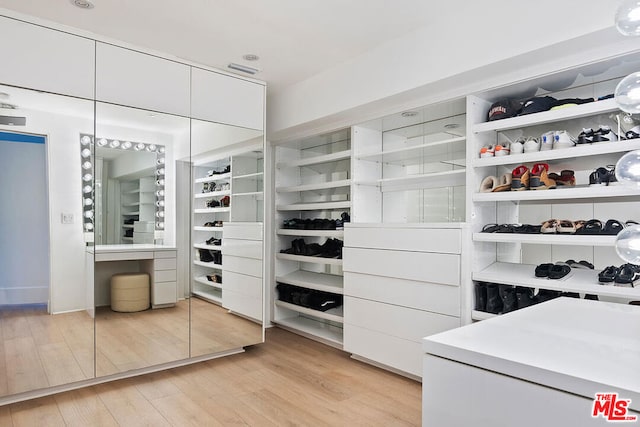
[242,284]
[165,254]
[405,239]
[242,304]
[243,230]
[164,264]
[249,266]
[443,299]
[126,256]
[164,293]
[242,248]
[395,352]
[164,276]
[420,266]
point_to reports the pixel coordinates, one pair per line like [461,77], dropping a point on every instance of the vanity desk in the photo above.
[159,261]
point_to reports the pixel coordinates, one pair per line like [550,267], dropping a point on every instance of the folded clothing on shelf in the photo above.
[309,298]
[331,248]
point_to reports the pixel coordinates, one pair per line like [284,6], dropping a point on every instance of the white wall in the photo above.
[466,39]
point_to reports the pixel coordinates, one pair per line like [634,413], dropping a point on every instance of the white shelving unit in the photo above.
[137,204]
[511,258]
[312,180]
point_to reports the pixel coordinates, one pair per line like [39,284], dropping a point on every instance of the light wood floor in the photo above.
[288,380]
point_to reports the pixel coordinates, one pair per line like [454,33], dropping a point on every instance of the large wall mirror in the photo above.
[46,323]
[225,188]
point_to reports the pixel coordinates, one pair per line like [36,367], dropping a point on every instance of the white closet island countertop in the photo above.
[579,346]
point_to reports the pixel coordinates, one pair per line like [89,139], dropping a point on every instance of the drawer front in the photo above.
[242,248]
[420,266]
[164,293]
[443,299]
[240,283]
[400,322]
[164,264]
[248,266]
[126,256]
[405,239]
[395,352]
[242,304]
[164,276]
[165,254]
[243,230]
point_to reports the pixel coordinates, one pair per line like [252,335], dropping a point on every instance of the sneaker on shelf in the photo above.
[604,134]
[501,150]
[517,146]
[487,151]
[546,140]
[531,145]
[585,137]
[611,175]
[600,176]
[562,139]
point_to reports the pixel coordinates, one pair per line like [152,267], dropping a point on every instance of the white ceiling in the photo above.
[295,39]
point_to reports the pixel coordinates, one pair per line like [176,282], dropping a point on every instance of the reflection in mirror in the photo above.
[142,309]
[226,257]
[46,327]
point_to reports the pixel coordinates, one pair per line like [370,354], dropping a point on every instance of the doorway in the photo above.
[24,220]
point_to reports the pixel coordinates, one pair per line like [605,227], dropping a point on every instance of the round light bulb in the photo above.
[86,189]
[627,93]
[160,193]
[126,145]
[102,142]
[114,144]
[160,161]
[85,140]
[628,169]
[87,177]
[88,226]
[160,183]
[86,165]
[151,147]
[160,225]
[85,153]
[160,214]
[139,146]
[628,244]
[160,171]
[161,149]
[628,18]
[88,214]
[88,201]
[160,203]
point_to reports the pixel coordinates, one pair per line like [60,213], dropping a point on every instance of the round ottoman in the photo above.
[130,292]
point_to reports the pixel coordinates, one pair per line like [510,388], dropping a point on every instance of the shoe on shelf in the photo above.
[487,151]
[524,296]
[592,227]
[543,270]
[559,271]
[501,150]
[604,134]
[503,183]
[508,296]
[628,274]
[611,175]
[564,226]
[494,301]
[540,179]
[592,297]
[531,145]
[213,203]
[585,265]
[546,295]
[550,226]
[517,146]
[566,178]
[480,296]
[608,275]
[488,184]
[520,178]
[562,139]
[204,255]
[585,137]
[547,140]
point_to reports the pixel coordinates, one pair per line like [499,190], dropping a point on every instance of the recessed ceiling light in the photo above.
[250,57]
[82,4]
[409,114]
[243,68]
[451,126]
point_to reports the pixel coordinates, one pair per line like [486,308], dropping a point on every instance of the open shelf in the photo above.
[211,210]
[318,206]
[580,280]
[329,334]
[546,239]
[208,264]
[582,150]
[221,177]
[201,228]
[128,239]
[407,155]
[318,281]
[316,160]
[257,194]
[318,186]
[256,176]
[213,296]
[309,259]
[131,204]
[481,315]
[209,247]
[583,110]
[127,226]
[578,192]
[334,315]
[212,194]
[204,281]
[130,213]
[310,233]
[136,191]
[427,180]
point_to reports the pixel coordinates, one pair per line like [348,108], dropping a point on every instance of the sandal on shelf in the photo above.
[488,184]
[542,270]
[490,228]
[527,229]
[631,223]
[559,271]
[608,275]
[507,228]
[565,226]
[540,178]
[612,227]
[628,274]
[566,178]
[503,183]
[520,178]
[549,226]
[591,227]
[584,265]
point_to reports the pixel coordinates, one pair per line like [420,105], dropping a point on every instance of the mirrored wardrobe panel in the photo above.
[46,312]
[226,186]
[141,300]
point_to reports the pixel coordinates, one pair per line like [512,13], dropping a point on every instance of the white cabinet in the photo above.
[164,289]
[394,296]
[40,58]
[224,99]
[127,77]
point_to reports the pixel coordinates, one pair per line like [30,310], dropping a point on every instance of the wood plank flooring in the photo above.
[287,381]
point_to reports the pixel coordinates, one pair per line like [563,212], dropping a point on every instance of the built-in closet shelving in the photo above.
[137,210]
[313,181]
[509,258]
